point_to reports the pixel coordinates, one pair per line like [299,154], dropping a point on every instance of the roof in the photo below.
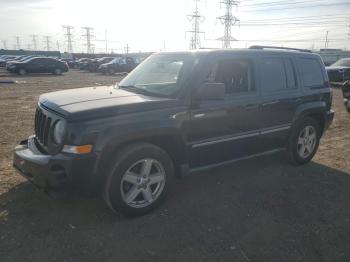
[246,51]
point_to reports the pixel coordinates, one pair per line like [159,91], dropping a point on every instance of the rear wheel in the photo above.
[139,179]
[304,141]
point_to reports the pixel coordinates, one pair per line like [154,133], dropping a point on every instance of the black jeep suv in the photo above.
[174,114]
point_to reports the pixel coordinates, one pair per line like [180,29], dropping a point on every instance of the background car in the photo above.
[95,63]
[6,58]
[339,71]
[118,65]
[39,65]
[346,94]
[84,63]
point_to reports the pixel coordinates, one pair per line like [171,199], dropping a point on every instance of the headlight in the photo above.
[59,131]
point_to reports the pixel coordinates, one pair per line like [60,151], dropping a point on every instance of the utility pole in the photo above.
[228,20]
[69,37]
[88,35]
[127,49]
[18,42]
[47,41]
[196,19]
[106,43]
[326,41]
[4,44]
[34,41]
[58,45]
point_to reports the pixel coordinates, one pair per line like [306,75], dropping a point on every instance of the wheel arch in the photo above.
[171,143]
[315,110]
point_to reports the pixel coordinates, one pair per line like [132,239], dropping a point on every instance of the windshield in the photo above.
[160,75]
[342,62]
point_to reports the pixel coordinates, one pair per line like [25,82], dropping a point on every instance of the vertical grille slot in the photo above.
[42,126]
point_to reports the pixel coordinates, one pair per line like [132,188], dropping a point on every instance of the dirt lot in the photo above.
[256,210]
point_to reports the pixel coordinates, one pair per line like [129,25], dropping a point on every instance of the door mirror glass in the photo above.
[211,91]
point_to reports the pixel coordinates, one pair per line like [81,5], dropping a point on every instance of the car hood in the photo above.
[92,102]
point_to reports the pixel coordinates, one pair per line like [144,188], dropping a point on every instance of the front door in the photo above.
[221,130]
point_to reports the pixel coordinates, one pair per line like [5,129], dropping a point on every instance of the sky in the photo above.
[157,25]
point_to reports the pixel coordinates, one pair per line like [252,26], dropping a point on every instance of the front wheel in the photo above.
[57,71]
[22,72]
[304,141]
[111,71]
[139,179]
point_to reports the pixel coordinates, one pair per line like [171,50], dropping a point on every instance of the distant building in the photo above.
[28,52]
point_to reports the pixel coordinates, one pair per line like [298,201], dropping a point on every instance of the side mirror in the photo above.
[211,91]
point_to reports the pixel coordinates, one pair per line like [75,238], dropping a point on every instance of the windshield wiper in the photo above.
[137,90]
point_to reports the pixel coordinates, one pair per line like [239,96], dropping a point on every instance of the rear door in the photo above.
[281,95]
[221,130]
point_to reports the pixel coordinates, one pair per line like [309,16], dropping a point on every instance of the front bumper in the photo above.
[52,171]
[347,104]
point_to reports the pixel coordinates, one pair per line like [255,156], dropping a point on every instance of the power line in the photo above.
[47,41]
[196,18]
[277,3]
[88,35]
[69,37]
[228,20]
[297,7]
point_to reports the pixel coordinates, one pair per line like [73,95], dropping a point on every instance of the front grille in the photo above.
[42,126]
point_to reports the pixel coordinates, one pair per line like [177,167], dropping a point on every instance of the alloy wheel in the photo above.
[143,183]
[307,142]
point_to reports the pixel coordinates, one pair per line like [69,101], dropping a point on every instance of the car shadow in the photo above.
[256,210]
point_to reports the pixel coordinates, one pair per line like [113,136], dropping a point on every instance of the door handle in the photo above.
[251,106]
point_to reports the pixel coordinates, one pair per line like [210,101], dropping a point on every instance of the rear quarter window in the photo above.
[311,72]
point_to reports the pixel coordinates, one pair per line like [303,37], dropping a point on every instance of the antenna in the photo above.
[196,19]
[228,20]
[88,35]
[69,37]
[47,41]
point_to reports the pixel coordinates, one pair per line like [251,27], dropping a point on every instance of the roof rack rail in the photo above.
[277,47]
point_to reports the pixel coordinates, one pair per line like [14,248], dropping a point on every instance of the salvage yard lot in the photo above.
[256,210]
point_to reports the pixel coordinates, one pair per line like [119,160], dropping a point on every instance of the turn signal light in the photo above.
[84,149]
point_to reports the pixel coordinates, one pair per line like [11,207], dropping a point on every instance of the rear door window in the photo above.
[273,75]
[311,72]
[277,74]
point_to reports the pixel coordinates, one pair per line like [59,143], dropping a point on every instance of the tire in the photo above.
[22,72]
[57,71]
[144,192]
[300,142]
[111,71]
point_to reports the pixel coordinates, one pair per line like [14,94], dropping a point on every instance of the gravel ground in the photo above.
[256,210]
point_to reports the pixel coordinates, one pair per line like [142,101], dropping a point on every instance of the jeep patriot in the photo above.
[176,113]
